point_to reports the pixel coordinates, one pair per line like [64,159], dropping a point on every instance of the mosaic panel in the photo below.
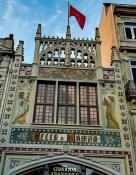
[65,137]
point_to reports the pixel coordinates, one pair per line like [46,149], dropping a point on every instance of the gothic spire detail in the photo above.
[20,49]
[38,32]
[115,54]
[68,33]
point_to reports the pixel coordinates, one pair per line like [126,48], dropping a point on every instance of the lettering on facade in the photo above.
[63,137]
[64,170]
[36,136]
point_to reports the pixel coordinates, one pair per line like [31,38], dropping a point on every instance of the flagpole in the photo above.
[68,13]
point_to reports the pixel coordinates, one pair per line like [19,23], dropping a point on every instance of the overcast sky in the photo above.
[21,18]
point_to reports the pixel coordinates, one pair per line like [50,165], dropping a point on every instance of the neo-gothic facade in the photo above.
[64,114]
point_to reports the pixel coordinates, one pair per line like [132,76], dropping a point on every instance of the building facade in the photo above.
[122,18]
[64,114]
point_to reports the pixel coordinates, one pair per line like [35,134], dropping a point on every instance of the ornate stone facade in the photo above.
[27,146]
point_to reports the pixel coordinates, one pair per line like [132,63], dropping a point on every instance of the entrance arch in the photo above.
[57,159]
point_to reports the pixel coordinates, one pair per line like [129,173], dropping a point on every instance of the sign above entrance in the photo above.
[64,169]
[65,137]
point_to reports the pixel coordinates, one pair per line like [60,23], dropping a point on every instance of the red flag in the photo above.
[79,16]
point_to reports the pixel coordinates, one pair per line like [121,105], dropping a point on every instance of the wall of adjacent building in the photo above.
[107,35]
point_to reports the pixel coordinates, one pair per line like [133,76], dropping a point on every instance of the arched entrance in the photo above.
[62,165]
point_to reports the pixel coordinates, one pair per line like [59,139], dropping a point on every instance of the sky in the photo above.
[21,18]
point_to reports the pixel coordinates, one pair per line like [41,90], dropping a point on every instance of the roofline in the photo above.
[122,9]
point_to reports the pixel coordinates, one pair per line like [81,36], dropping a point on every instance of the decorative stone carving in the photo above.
[107,87]
[26,83]
[66,149]
[16,162]
[108,74]
[77,74]
[25,70]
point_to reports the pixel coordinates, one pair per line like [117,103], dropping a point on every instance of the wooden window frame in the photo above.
[44,104]
[74,111]
[67,104]
[88,106]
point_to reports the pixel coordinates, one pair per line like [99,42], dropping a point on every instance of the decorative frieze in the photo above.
[65,137]
[67,73]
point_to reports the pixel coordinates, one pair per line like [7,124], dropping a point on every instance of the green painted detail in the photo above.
[65,137]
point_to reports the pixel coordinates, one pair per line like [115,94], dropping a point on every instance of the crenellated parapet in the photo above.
[71,52]
[53,52]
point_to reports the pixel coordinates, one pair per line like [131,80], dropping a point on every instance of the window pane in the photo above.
[71,115]
[133,62]
[40,93]
[83,95]
[49,93]
[88,105]
[93,116]
[67,103]
[134,33]
[130,23]
[83,114]
[128,33]
[71,94]
[38,113]
[62,94]
[44,102]
[92,96]
[134,73]
[61,114]
[48,114]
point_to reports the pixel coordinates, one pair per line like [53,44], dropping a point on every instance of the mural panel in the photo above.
[65,137]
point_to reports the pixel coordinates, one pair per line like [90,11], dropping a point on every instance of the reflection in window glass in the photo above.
[135,33]
[128,33]
[130,30]
[134,73]
[133,69]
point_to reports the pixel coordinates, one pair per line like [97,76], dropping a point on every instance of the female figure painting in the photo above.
[110,114]
[23,108]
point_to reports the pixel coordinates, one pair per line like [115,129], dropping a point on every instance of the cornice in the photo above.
[124,9]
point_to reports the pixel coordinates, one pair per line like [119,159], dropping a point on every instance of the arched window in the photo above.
[49,54]
[72,53]
[62,54]
[42,61]
[79,54]
[85,56]
[56,53]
